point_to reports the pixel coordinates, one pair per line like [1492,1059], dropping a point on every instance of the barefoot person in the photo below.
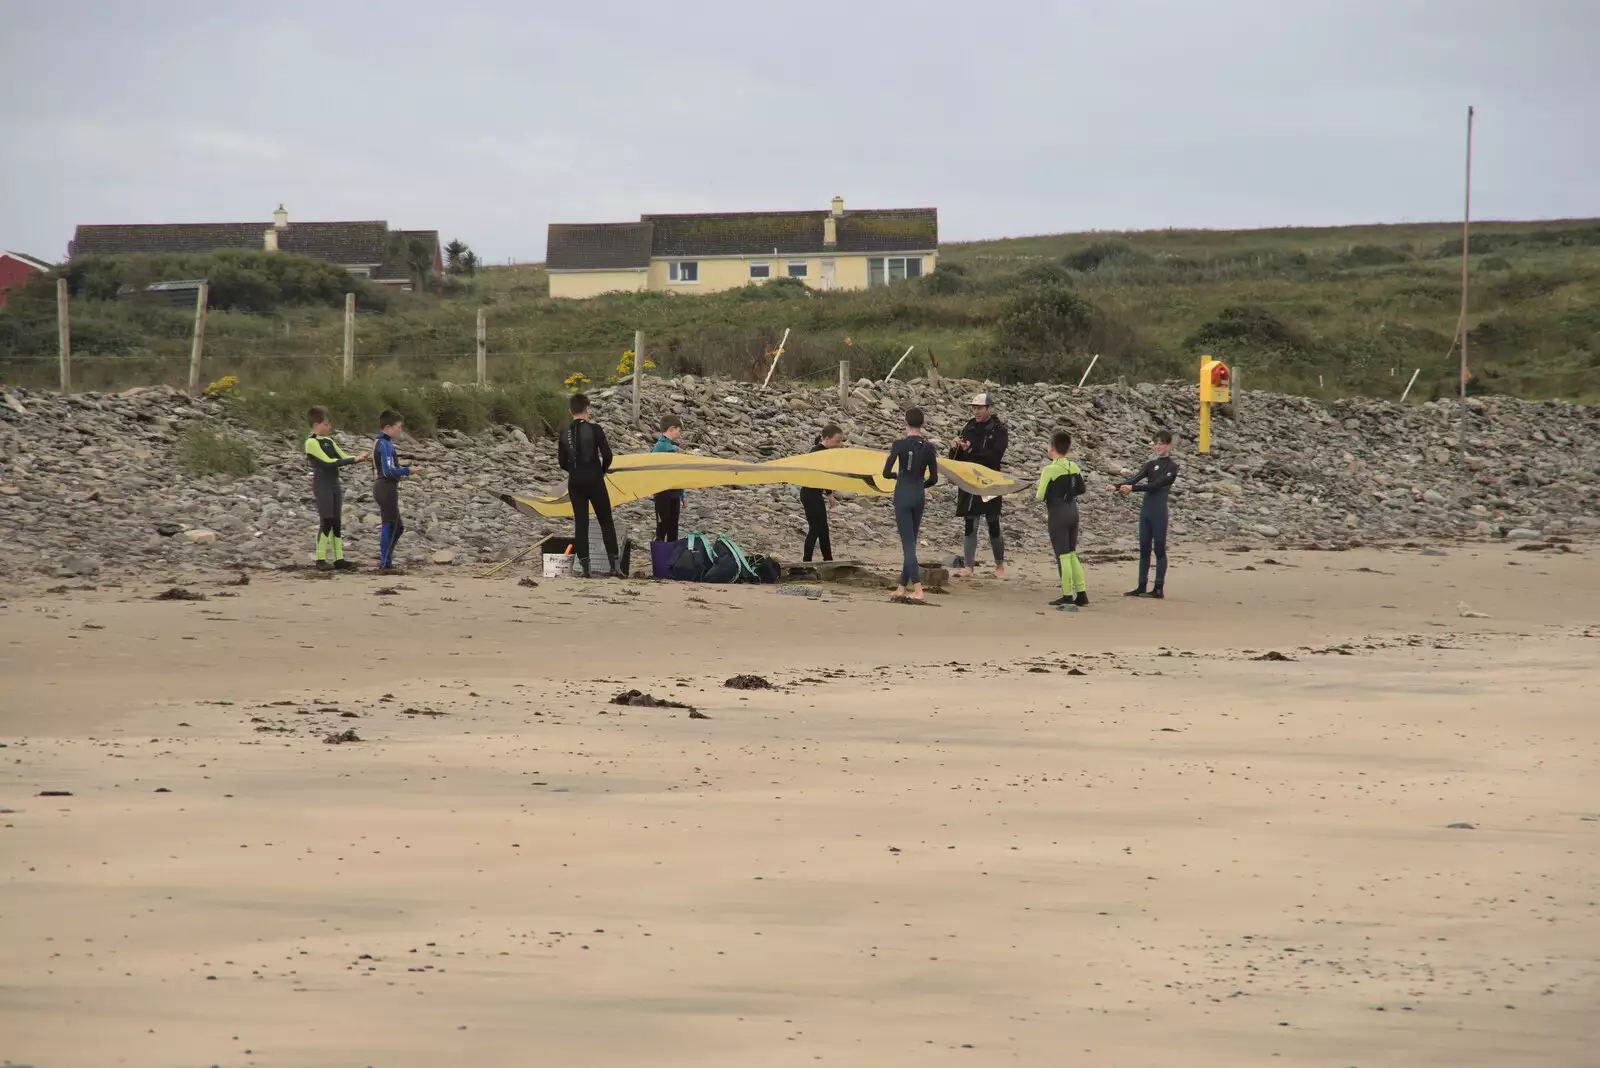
[1154,480]
[817,502]
[914,465]
[983,442]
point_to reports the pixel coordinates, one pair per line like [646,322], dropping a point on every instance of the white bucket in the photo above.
[558,565]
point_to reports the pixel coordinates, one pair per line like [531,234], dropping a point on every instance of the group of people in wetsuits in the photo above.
[913,464]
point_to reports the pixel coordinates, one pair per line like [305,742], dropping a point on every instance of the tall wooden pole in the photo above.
[638,371]
[483,349]
[64,328]
[1466,220]
[349,336]
[844,380]
[201,299]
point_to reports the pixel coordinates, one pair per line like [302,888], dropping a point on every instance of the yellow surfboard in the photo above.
[641,475]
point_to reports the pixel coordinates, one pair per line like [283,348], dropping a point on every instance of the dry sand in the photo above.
[936,843]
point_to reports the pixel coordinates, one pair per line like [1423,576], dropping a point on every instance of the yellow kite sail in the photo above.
[640,475]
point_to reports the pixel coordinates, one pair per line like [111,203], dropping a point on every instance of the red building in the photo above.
[15,269]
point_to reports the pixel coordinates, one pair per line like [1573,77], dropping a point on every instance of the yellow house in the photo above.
[833,249]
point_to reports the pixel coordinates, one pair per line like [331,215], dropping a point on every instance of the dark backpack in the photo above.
[728,563]
[692,561]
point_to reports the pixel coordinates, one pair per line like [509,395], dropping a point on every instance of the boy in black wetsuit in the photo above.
[585,456]
[326,458]
[817,502]
[1154,480]
[669,503]
[913,463]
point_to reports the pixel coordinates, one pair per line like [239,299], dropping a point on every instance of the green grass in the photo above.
[1331,311]
[205,451]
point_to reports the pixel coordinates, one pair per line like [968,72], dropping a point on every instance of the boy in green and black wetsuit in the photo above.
[326,458]
[1060,486]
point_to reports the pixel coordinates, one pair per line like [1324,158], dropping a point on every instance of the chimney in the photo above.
[830,224]
[269,240]
[838,206]
[280,218]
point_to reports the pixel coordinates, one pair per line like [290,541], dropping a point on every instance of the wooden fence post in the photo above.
[844,380]
[64,328]
[349,336]
[638,371]
[200,301]
[483,349]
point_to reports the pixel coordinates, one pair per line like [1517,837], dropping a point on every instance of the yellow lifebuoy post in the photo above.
[1214,389]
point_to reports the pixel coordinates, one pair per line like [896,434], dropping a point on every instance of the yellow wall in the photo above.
[716,275]
[579,284]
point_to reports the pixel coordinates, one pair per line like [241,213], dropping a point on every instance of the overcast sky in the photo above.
[488,119]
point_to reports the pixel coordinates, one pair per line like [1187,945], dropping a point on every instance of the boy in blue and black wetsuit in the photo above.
[386,489]
[1154,480]
[326,460]
[913,463]
[669,503]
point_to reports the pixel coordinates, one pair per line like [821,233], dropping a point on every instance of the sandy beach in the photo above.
[978,833]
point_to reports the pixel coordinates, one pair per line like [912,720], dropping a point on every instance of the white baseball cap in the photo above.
[981,400]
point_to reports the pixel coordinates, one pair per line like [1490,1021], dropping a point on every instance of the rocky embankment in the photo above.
[93,481]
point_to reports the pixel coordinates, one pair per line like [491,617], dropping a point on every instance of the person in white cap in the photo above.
[983,442]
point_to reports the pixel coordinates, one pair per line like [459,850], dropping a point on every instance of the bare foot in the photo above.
[899,592]
[916,594]
[962,572]
[999,570]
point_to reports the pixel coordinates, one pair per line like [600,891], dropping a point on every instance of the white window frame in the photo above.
[887,269]
[804,269]
[675,272]
[766,271]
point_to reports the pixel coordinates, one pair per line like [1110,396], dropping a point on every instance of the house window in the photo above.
[797,269]
[760,271]
[683,271]
[883,270]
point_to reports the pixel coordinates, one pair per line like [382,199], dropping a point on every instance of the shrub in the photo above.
[204,450]
[1373,256]
[1250,327]
[1101,254]
[947,278]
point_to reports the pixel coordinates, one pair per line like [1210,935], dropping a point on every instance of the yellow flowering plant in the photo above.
[226,386]
[575,382]
[625,365]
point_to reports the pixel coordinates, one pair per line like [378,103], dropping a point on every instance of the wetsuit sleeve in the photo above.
[1142,473]
[387,467]
[933,468]
[1158,482]
[602,448]
[319,456]
[1044,482]
[888,464]
[1077,487]
[563,450]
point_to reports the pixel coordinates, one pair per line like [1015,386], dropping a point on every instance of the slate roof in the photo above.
[344,243]
[790,233]
[599,246]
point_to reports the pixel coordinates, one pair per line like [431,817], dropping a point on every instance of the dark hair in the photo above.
[914,418]
[1061,441]
[389,418]
[830,431]
[578,404]
[1162,437]
[316,414]
[670,421]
